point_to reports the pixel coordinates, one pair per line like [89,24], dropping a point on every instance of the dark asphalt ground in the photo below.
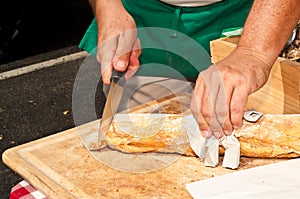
[33,27]
[33,105]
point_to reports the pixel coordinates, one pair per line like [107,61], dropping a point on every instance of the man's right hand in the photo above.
[118,46]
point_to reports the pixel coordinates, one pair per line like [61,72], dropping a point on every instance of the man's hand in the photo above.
[118,46]
[221,92]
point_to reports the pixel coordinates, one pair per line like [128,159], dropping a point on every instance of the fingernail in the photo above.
[121,64]
[217,134]
[226,132]
[235,127]
[207,134]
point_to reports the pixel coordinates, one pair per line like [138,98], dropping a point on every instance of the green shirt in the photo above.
[176,39]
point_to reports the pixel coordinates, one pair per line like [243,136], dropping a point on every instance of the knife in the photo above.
[111,106]
[112,102]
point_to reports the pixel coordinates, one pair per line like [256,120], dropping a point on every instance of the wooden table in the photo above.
[61,167]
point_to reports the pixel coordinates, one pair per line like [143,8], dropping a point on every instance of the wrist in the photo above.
[266,62]
[258,65]
[249,64]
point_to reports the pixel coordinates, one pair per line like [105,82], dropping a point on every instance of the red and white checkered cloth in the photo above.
[23,190]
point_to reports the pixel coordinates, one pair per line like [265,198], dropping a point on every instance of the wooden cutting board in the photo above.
[61,167]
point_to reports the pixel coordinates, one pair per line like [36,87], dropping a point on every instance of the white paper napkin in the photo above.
[273,181]
[208,149]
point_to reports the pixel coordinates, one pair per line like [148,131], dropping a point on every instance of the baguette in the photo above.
[273,136]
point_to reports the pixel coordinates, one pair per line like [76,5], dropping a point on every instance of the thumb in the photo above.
[134,63]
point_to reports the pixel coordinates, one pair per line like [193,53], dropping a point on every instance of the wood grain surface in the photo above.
[61,167]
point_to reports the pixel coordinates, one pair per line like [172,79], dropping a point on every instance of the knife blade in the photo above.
[112,103]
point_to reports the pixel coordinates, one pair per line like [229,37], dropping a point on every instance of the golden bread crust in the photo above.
[273,136]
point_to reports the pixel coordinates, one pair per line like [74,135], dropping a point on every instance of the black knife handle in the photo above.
[117,74]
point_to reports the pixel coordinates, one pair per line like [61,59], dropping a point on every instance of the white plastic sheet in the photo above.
[273,181]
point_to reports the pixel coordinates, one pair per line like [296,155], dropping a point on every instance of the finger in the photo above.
[206,116]
[131,71]
[227,124]
[134,62]
[136,52]
[105,54]
[218,134]
[238,102]
[223,108]
[213,101]
[196,107]
[126,42]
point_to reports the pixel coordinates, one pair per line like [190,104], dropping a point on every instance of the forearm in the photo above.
[268,26]
[101,7]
